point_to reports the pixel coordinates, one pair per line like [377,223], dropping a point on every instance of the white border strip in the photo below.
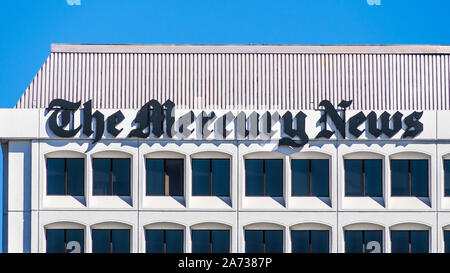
[347,49]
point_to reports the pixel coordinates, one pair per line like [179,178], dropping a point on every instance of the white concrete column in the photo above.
[18,197]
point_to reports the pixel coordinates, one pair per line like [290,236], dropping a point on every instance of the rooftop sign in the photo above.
[158,121]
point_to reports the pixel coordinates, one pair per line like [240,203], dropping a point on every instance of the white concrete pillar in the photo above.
[17,198]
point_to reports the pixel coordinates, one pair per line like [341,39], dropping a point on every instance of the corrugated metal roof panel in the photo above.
[228,77]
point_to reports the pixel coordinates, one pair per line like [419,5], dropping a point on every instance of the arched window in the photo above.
[263,238]
[64,237]
[310,238]
[111,237]
[363,238]
[410,238]
[164,238]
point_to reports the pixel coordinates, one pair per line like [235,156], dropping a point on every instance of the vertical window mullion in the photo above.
[363,178]
[166,182]
[264,241]
[65,241]
[409,242]
[111,176]
[210,242]
[111,241]
[164,241]
[309,177]
[264,177]
[363,237]
[210,177]
[309,241]
[65,176]
[409,178]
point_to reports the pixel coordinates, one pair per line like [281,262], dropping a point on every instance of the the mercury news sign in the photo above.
[160,121]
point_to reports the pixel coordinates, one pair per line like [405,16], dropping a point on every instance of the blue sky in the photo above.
[28,27]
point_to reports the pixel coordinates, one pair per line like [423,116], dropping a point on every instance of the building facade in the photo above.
[148,148]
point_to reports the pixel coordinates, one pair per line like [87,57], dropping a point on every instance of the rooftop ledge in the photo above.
[313,49]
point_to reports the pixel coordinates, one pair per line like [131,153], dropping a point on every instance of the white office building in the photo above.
[230,148]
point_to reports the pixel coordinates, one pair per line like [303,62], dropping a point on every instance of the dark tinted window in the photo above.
[254,241]
[65,240]
[254,177]
[407,241]
[373,181]
[409,177]
[165,177]
[121,176]
[65,176]
[419,177]
[310,177]
[110,241]
[264,177]
[363,241]
[310,241]
[111,176]
[211,177]
[447,241]
[363,177]
[263,241]
[210,241]
[447,177]
[164,241]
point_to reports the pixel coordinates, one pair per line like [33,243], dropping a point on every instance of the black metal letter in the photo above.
[354,122]
[335,117]
[112,121]
[385,122]
[299,131]
[67,109]
[413,125]
[87,121]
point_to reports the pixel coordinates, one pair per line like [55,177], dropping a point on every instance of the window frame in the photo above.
[310,238]
[83,184]
[111,245]
[363,241]
[165,174]
[410,177]
[111,173]
[82,249]
[446,240]
[210,235]
[446,179]
[264,175]
[164,230]
[310,182]
[264,248]
[363,178]
[409,238]
[211,176]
